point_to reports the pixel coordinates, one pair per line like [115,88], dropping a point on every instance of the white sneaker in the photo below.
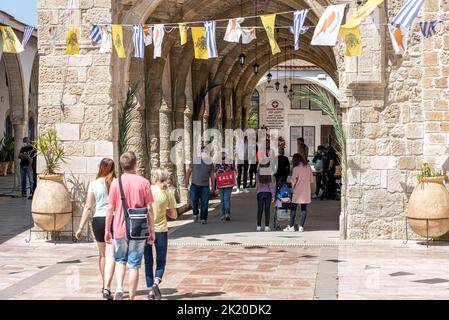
[238,190]
[301,229]
[289,229]
[245,190]
[259,228]
[267,229]
[118,295]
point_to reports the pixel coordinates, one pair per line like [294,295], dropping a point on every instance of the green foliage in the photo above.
[52,150]
[326,101]
[8,148]
[126,118]
[253,120]
[2,153]
[428,172]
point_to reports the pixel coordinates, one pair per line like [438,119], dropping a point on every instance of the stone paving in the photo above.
[207,262]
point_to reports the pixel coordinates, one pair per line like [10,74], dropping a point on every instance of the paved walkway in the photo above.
[231,261]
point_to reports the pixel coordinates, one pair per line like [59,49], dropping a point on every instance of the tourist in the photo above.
[303,149]
[265,194]
[225,189]
[318,166]
[302,191]
[242,163]
[330,161]
[97,196]
[128,252]
[164,204]
[202,173]
[282,167]
[26,167]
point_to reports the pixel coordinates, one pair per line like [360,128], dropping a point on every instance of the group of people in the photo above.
[106,197]
[326,163]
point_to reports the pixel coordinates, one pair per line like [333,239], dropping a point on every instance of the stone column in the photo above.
[228,108]
[188,113]
[180,147]
[166,119]
[156,100]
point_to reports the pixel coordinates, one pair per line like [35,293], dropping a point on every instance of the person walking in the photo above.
[282,168]
[302,191]
[242,163]
[164,204]
[330,161]
[26,169]
[221,168]
[202,174]
[97,195]
[128,252]
[265,194]
[318,166]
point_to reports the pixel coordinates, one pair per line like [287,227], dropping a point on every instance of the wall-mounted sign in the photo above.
[275,115]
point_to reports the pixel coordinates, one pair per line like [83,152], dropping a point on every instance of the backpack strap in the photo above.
[122,197]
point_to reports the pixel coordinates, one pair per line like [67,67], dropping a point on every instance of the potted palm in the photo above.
[52,205]
[428,207]
[8,147]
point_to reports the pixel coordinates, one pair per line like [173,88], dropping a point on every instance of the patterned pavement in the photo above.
[212,262]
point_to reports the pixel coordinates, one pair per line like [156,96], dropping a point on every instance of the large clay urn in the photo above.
[429,200]
[52,205]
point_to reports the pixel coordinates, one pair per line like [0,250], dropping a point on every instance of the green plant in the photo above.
[52,150]
[126,118]
[8,149]
[326,101]
[428,172]
[2,152]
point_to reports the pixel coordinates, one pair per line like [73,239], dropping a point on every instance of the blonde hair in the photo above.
[162,176]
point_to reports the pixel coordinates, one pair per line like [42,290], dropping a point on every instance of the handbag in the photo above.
[136,219]
[225,179]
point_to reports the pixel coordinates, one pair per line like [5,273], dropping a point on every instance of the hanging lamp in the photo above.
[242,56]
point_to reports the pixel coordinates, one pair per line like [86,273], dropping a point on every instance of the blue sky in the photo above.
[22,10]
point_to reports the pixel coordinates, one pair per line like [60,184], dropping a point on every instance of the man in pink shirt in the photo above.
[128,252]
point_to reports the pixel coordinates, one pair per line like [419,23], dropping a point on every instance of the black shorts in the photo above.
[98,227]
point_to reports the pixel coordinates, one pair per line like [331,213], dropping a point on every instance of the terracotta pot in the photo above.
[4,168]
[52,205]
[430,199]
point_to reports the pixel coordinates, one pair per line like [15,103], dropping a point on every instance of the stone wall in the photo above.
[393,122]
[76,93]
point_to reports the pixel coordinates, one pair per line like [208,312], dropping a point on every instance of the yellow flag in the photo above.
[268,22]
[199,42]
[353,41]
[117,36]
[362,13]
[10,42]
[73,46]
[183,33]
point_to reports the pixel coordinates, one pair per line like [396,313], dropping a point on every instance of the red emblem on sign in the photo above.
[275,104]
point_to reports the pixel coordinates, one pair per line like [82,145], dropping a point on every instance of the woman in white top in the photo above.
[98,195]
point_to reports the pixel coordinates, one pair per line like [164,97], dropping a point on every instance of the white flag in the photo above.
[248,35]
[234,30]
[158,38]
[106,40]
[328,27]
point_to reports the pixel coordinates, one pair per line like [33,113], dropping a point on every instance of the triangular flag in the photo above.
[299,17]
[398,38]
[10,42]
[183,33]
[158,39]
[106,39]
[117,38]
[27,33]
[234,30]
[353,41]
[248,35]
[199,42]
[326,31]
[364,11]
[269,21]
[72,43]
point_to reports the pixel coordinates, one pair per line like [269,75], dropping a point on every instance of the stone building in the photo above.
[18,87]
[395,108]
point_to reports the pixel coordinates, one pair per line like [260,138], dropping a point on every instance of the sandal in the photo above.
[107,294]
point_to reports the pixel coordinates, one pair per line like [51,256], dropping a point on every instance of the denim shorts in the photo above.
[129,252]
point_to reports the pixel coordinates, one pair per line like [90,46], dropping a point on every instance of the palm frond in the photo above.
[326,101]
[126,117]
